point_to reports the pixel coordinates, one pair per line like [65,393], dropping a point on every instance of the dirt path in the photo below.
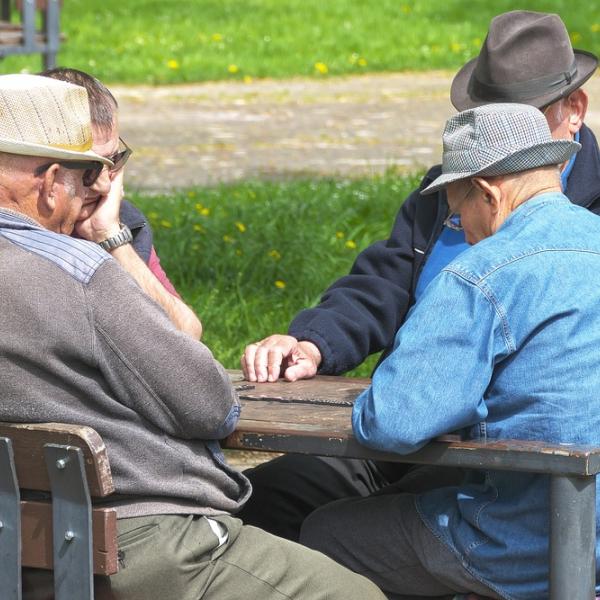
[350,126]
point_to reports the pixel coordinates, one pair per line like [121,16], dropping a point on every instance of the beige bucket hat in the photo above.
[45,117]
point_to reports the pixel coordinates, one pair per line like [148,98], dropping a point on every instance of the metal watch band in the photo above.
[123,237]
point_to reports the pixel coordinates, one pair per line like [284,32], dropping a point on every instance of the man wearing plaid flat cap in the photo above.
[82,343]
[527,57]
[502,345]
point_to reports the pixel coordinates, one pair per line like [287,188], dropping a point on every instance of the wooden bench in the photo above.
[64,533]
[24,37]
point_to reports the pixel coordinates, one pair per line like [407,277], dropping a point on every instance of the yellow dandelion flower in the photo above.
[205,212]
[279,284]
[228,239]
[362,62]
[476,42]
[350,244]
[153,215]
[575,37]
[199,207]
[595,27]
[321,68]
[456,47]
[275,255]
[340,235]
[238,252]
[191,194]
[240,226]
[233,69]
[166,224]
[406,9]
[248,79]
[199,228]
[173,64]
[216,37]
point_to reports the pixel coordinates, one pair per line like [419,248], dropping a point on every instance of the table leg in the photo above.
[572,538]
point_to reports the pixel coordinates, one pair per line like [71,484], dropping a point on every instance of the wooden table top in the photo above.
[313,416]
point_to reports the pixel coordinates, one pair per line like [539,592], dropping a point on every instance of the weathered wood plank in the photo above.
[36,532]
[28,445]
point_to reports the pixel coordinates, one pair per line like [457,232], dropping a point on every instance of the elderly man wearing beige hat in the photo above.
[503,344]
[80,342]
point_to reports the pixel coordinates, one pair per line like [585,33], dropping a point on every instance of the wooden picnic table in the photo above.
[314,417]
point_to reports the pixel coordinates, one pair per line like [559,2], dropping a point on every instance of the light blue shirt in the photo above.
[504,343]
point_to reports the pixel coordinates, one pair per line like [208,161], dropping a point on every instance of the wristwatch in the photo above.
[123,237]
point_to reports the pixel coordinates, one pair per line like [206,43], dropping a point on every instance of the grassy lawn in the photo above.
[172,41]
[249,256]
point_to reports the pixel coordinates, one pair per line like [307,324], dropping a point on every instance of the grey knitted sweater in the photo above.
[81,343]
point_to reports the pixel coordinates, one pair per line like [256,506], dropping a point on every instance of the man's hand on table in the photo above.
[279,355]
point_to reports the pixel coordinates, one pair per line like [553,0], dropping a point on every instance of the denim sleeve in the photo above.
[435,379]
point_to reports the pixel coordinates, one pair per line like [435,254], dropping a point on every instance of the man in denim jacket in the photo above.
[504,343]
[526,57]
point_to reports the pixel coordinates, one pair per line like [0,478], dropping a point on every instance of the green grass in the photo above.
[249,256]
[172,41]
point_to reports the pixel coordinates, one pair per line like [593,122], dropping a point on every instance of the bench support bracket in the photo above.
[10,524]
[72,523]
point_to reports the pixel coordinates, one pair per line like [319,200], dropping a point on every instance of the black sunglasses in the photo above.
[91,169]
[121,157]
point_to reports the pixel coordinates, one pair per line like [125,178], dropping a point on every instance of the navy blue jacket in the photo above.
[361,312]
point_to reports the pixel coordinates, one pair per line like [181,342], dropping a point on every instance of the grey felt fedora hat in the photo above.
[497,139]
[526,57]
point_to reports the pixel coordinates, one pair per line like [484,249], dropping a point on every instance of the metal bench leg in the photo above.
[51,26]
[10,525]
[572,538]
[71,523]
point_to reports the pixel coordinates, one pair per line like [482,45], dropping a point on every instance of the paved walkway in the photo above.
[349,126]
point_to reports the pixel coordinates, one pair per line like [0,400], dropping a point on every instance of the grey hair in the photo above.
[103,105]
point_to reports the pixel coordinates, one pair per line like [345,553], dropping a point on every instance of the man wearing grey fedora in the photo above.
[527,57]
[503,344]
[82,343]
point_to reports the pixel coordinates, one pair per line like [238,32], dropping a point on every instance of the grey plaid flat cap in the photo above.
[497,139]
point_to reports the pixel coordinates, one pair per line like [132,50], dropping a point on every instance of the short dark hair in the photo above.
[103,104]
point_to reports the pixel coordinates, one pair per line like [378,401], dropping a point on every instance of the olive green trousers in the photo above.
[178,557]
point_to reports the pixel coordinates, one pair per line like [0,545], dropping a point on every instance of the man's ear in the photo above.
[492,194]
[48,190]
[577,103]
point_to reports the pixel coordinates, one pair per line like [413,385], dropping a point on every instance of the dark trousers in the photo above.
[289,488]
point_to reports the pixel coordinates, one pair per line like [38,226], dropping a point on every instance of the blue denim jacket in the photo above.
[505,342]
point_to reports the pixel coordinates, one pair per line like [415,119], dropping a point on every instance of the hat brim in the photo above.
[462,100]
[554,152]
[30,149]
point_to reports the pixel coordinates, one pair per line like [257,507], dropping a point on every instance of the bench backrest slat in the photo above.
[28,442]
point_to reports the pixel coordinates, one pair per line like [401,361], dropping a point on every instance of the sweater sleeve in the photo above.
[360,313]
[164,375]
[435,379]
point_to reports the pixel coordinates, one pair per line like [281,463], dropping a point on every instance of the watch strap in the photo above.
[123,237]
